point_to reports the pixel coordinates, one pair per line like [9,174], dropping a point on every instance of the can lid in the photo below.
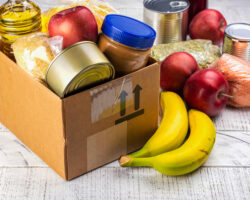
[240,31]
[78,66]
[166,6]
[128,31]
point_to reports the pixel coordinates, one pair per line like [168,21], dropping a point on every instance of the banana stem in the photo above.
[128,161]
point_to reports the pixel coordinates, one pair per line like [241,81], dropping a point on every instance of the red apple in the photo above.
[175,70]
[205,90]
[74,25]
[208,24]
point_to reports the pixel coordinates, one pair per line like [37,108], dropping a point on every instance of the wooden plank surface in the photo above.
[120,183]
[225,175]
[231,149]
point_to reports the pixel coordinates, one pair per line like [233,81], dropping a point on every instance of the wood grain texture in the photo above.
[13,153]
[125,184]
[225,175]
[231,150]
[233,119]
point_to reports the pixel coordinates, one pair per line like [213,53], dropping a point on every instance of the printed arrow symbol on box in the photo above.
[122,98]
[136,91]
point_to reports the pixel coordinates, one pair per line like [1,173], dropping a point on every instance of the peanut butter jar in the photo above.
[126,42]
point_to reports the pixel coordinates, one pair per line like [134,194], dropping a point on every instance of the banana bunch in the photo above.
[172,130]
[165,150]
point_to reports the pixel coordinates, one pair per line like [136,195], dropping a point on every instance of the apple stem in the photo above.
[227,95]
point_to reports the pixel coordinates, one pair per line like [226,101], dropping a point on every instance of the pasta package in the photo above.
[99,8]
[35,52]
[203,51]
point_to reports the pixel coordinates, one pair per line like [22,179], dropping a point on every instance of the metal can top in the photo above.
[167,6]
[78,66]
[238,31]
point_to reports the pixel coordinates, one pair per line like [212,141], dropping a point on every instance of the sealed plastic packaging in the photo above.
[35,52]
[203,51]
[99,8]
[237,73]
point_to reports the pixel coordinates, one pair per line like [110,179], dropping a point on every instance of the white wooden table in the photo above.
[225,175]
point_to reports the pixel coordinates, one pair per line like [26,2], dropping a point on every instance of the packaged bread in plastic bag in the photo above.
[35,52]
[237,73]
[99,8]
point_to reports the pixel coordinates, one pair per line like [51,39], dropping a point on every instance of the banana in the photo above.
[172,130]
[187,158]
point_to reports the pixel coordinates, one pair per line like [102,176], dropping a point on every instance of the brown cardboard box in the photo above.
[84,131]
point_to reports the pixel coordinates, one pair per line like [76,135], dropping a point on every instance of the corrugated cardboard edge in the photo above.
[73,134]
[33,113]
[65,139]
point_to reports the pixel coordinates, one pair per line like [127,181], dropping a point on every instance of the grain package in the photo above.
[203,51]
[35,52]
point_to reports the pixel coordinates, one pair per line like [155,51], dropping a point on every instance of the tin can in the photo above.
[168,17]
[237,40]
[77,67]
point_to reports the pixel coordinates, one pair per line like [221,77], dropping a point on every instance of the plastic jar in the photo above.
[126,42]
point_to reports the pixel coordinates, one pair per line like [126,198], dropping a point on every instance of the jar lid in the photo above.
[128,31]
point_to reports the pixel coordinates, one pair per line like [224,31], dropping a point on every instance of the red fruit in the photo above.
[204,91]
[208,24]
[176,69]
[74,25]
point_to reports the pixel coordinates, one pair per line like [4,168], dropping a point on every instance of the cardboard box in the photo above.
[84,131]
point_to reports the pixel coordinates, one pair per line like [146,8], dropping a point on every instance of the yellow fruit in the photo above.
[172,130]
[187,158]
